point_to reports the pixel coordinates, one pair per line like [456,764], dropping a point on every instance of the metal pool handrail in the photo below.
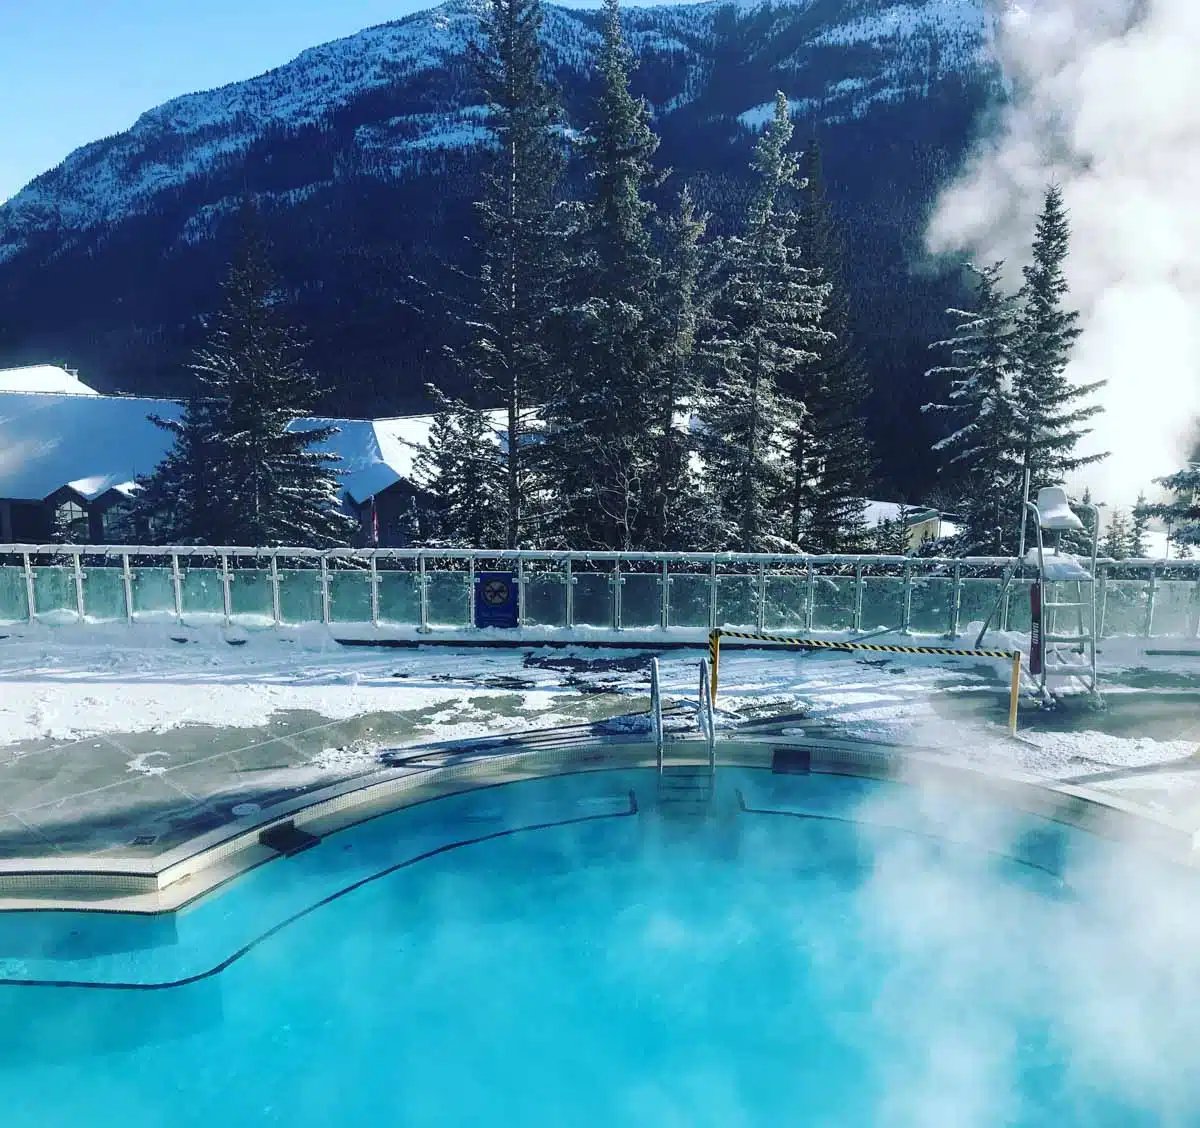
[705,712]
[656,720]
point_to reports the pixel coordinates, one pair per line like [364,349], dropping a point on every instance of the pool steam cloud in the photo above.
[1105,101]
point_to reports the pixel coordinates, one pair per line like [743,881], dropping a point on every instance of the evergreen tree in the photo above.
[1053,412]
[980,403]
[831,479]
[1182,513]
[507,358]
[242,471]
[681,301]
[601,413]
[1116,540]
[464,472]
[1137,545]
[764,328]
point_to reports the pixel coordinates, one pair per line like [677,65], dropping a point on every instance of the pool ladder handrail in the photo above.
[656,717]
[705,711]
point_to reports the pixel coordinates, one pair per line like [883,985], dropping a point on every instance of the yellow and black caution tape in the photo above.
[882,648]
[1013,656]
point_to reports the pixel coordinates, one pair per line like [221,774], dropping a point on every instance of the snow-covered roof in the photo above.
[91,443]
[880,512]
[43,378]
[96,443]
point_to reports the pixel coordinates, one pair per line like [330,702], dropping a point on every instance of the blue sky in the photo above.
[73,71]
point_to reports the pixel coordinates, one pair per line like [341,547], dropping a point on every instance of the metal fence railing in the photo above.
[430,592]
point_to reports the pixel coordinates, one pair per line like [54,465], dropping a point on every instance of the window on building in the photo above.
[71,523]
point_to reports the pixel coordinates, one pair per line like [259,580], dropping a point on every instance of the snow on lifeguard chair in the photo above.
[1055,653]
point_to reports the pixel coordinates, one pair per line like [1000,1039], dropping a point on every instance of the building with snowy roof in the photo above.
[70,459]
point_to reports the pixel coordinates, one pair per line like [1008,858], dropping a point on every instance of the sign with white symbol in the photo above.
[496,600]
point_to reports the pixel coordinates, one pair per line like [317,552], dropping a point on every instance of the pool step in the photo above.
[685,789]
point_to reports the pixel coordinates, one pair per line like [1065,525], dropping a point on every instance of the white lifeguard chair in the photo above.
[1054,652]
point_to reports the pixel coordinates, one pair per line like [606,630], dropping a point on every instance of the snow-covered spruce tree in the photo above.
[507,359]
[678,522]
[1137,546]
[1182,513]
[1053,411]
[183,501]
[980,405]
[274,489]
[832,477]
[462,469]
[763,330]
[1115,541]
[601,409]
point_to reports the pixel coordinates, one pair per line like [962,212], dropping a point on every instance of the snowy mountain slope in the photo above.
[192,137]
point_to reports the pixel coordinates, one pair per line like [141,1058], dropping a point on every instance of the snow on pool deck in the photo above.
[113,735]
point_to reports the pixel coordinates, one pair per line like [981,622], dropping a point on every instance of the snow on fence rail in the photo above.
[429,593]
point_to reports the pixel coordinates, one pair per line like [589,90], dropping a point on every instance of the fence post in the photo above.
[423,594]
[226,595]
[76,556]
[664,599]
[276,609]
[520,590]
[1148,630]
[127,583]
[956,602]
[810,596]
[858,598]
[906,606]
[712,594]
[617,581]
[1101,600]
[177,584]
[760,615]
[30,608]
[471,592]
[374,582]
[569,600]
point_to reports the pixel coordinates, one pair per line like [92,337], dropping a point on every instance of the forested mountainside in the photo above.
[364,156]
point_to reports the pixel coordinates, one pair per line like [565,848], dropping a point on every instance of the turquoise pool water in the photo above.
[829,963]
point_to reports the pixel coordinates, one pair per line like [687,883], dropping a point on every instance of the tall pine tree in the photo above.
[1053,411]
[1139,546]
[1182,513]
[682,301]
[831,478]
[242,472]
[600,415]
[764,329]
[508,359]
[980,403]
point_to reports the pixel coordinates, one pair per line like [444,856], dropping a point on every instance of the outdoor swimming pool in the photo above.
[549,953]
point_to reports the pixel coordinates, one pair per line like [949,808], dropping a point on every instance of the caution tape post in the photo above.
[1013,656]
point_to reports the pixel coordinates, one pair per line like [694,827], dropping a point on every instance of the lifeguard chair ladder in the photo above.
[1056,653]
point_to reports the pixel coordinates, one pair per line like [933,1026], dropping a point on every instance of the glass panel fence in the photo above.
[1175,609]
[203,594]
[641,600]
[883,602]
[104,591]
[350,594]
[737,602]
[785,608]
[399,598]
[251,601]
[14,602]
[687,599]
[977,600]
[932,605]
[834,598]
[54,591]
[592,597]
[299,594]
[449,593]
[545,596]
[153,593]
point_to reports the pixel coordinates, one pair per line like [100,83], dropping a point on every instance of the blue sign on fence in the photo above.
[496,599]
